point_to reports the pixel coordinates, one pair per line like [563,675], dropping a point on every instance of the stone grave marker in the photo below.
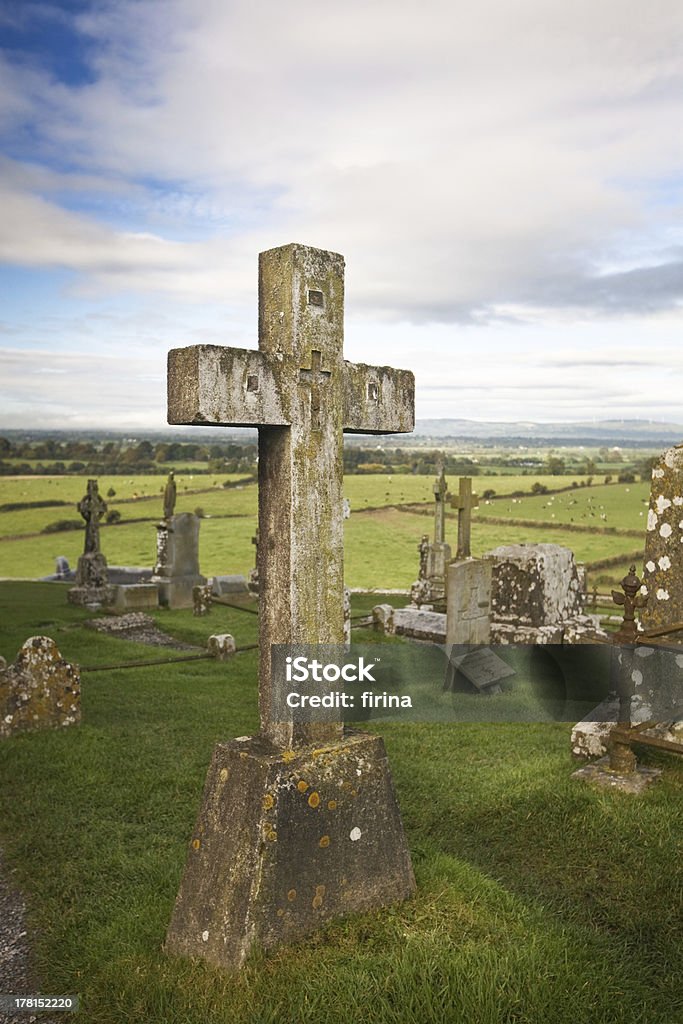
[468,628]
[92,582]
[464,501]
[201,599]
[662,576]
[40,690]
[307,810]
[176,572]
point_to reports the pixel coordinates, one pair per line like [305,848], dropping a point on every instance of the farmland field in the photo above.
[381,537]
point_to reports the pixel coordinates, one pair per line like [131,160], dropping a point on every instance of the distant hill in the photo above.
[637,432]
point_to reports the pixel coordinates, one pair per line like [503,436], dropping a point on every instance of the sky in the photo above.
[504,180]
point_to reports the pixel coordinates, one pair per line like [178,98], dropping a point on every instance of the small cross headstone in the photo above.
[464,501]
[287,814]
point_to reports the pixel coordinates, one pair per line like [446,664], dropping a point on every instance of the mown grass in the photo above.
[539,899]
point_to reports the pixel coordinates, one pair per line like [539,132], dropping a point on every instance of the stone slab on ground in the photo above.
[222,586]
[598,774]
[420,625]
[318,827]
[481,666]
[134,596]
[138,627]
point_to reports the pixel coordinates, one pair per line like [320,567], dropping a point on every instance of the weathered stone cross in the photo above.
[299,823]
[302,395]
[464,501]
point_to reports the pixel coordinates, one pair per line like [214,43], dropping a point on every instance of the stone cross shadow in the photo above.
[308,810]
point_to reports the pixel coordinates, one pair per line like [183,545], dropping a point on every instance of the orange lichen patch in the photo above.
[271,836]
[268,802]
[196,843]
[325,841]
[288,756]
[223,774]
[280,913]
[332,805]
[313,800]
[319,897]
[302,786]
[354,792]
[243,755]
[291,895]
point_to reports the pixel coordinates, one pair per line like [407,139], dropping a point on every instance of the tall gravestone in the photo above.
[299,823]
[663,575]
[464,501]
[430,587]
[176,572]
[92,581]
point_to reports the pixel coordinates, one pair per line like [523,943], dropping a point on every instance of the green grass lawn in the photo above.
[539,901]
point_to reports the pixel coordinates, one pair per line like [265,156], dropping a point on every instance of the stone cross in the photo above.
[170,495]
[302,395]
[92,508]
[464,501]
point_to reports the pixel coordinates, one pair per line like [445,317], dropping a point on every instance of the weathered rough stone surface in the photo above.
[383,619]
[469,602]
[139,627]
[201,599]
[303,395]
[223,586]
[534,584]
[537,596]
[176,572]
[662,576]
[599,774]
[656,675]
[40,690]
[285,840]
[420,624]
[221,646]
[134,596]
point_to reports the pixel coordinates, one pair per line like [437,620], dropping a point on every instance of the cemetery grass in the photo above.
[539,899]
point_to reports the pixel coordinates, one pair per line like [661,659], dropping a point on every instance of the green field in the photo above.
[539,900]
[381,537]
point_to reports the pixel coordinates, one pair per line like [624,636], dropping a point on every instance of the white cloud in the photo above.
[490,164]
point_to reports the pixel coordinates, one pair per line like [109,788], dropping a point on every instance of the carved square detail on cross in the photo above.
[302,395]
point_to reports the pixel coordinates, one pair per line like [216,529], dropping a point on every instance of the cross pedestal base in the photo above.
[286,839]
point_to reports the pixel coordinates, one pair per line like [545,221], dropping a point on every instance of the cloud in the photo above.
[464,160]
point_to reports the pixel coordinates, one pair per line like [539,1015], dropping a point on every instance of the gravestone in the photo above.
[536,596]
[383,619]
[662,576]
[40,690]
[468,631]
[132,597]
[176,572]
[657,675]
[430,587]
[224,586]
[464,501]
[307,810]
[92,581]
[469,602]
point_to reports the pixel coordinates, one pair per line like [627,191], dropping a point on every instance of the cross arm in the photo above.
[209,384]
[378,399]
